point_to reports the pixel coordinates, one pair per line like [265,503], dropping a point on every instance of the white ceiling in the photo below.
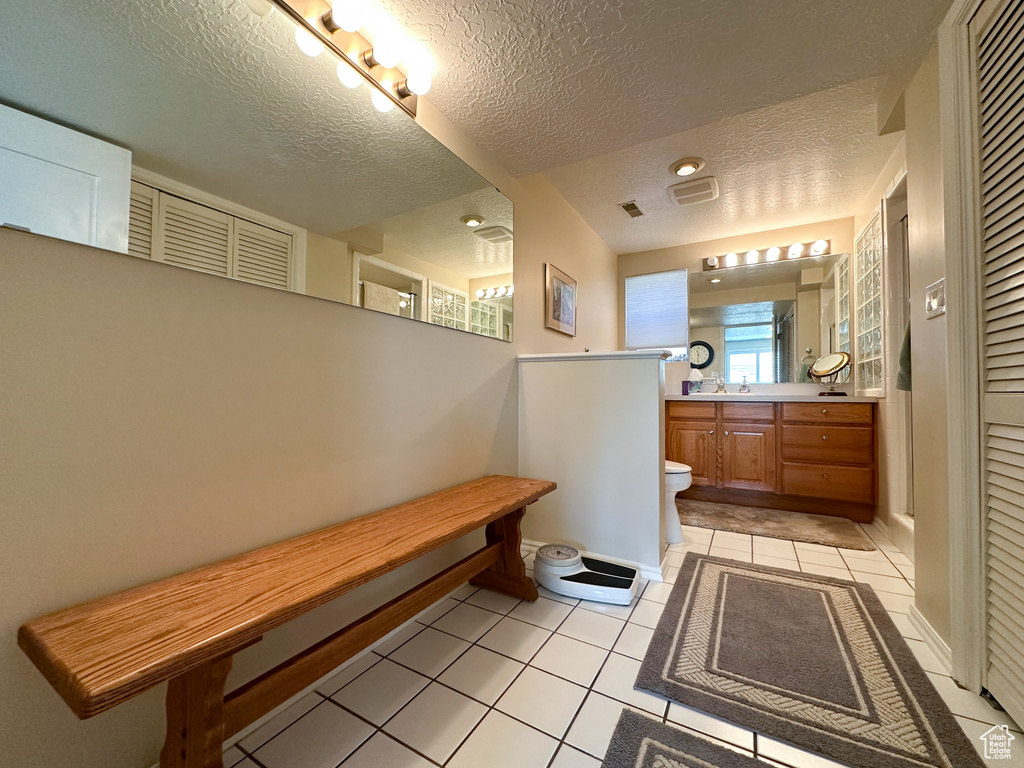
[804,160]
[538,83]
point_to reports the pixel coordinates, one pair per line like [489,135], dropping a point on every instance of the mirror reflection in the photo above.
[770,322]
[204,134]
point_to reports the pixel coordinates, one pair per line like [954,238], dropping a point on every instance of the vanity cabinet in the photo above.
[807,457]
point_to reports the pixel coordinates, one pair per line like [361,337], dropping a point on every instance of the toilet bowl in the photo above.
[677,478]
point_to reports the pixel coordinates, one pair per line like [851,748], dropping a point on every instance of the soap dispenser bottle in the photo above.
[744,387]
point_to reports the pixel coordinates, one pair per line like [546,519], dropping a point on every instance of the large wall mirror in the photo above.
[770,321]
[248,159]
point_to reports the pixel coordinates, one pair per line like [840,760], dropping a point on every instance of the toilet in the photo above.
[677,478]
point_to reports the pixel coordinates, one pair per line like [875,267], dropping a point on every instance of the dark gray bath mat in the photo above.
[812,660]
[776,523]
[640,742]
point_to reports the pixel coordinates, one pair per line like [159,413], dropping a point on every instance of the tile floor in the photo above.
[485,681]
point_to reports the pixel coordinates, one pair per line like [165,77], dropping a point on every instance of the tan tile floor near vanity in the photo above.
[482,680]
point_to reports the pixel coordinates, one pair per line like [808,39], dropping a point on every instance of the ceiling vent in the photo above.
[632,209]
[494,234]
[696,191]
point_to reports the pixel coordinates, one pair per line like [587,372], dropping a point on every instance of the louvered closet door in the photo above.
[141,215]
[193,236]
[998,36]
[262,255]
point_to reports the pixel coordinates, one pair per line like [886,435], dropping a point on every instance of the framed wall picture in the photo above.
[560,300]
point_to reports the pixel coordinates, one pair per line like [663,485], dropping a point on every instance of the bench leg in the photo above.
[195,717]
[508,575]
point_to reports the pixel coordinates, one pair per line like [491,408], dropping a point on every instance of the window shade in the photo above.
[657,310]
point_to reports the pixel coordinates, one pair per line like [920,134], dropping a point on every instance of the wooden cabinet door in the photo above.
[748,456]
[693,443]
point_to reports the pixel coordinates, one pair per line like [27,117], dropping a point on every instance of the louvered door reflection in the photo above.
[998,37]
[262,255]
[140,220]
[193,236]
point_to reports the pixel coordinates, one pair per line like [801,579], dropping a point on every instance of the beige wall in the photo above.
[689,256]
[328,268]
[927,264]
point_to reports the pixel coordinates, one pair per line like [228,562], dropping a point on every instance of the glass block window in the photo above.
[448,307]
[483,318]
[869,302]
[843,306]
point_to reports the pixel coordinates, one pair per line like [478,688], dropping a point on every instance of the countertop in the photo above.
[763,397]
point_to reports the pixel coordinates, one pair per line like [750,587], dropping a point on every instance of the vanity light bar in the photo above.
[388,84]
[768,255]
[495,293]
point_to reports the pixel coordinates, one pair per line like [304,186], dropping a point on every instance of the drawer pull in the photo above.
[824,410]
[727,432]
[824,475]
[711,432]
[824,437]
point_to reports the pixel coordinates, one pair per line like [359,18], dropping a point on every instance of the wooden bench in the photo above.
[186,628]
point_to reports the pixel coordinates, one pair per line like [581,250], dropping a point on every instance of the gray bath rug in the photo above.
[812,660]
[776,523]
[640,742]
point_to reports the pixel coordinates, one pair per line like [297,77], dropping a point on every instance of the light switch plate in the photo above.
[935,299]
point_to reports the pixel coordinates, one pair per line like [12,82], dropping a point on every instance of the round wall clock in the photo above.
[701,354]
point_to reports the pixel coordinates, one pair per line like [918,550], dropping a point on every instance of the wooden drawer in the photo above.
[829,482]
[677,409]
[828,444]
[829,412]
[748,412]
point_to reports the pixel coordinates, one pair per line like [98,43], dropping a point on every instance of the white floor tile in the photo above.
[926,658]
[711,726]
[671,574]
[493,601]
[732,554]
[896,585]
[350,672]
[902,622]
[896,603]
[594,725]
[968,704]
[879,567]
[271,728]
[436,721]
[430,652]
[501,742]
[826,570]
[634,640]
[568,757]
[515,638]
[542,612]
[907,571]
[389,644]
[657,592]
[808,547]
[610,609]
[721,537]
[467,622]
[863,554]
[773,547]
[571,659]
[646,614]
[777,562]
[438,611]
[481,674]
[974,731]
[543,701]
[381,750]
[381,691]
[617,679]
[792,756]
[594,628]
[320,739]
[731,545]
[232,756]
[545,592]
[465,591]
[675,559]
[898,558]
[834,560]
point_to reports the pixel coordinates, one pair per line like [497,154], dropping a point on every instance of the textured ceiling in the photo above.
[739,314]
[803,160]
[207,93]
[538,83]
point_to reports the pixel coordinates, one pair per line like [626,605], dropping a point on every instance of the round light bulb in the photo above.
[479,293]
[713,261]
[348,75]
[261,8]
[774,252]
[819,247]
[686,169]
[380,101]
[716,279]
[511,290]
[307,42]
[490,293]
[349,14]
[403,304]
[388,42]
[418,82]
[501,290]
[731,259]
[752,256]
[795,250]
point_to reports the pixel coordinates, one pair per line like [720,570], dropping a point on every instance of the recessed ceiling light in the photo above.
[716,279]
[687,166]
[472,220]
